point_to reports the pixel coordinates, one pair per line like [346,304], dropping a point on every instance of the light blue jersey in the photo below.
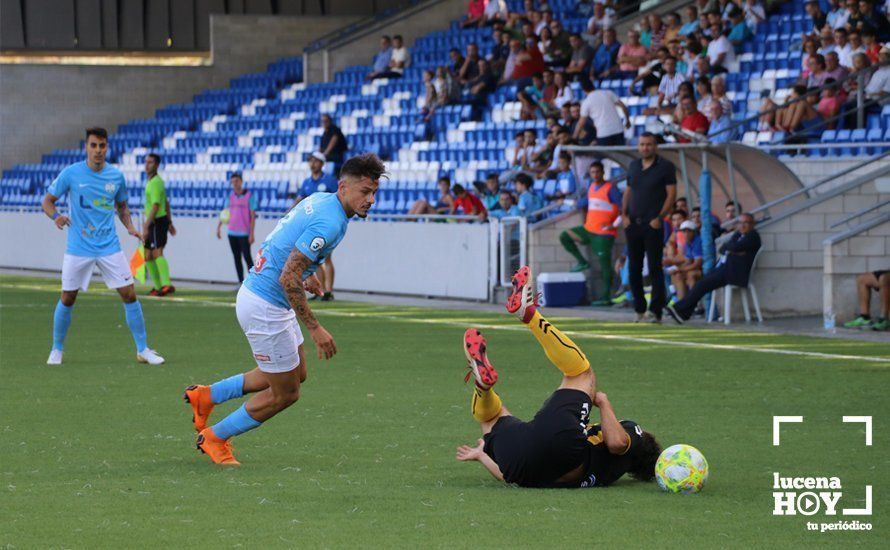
[314,227]
[92,199]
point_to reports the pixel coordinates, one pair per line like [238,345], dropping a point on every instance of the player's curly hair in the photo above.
[647,455]
[366,165]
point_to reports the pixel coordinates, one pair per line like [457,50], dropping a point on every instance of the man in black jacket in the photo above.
[740,251]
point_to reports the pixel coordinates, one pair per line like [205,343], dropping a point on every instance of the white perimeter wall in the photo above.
[427,259]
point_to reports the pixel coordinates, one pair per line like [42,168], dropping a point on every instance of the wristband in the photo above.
[55,215]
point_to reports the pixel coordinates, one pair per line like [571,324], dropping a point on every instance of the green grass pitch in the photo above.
[100,451]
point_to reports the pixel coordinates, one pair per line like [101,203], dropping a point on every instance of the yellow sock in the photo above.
[560,349]
[486,404]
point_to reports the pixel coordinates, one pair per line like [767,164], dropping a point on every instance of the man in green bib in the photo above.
[157,224]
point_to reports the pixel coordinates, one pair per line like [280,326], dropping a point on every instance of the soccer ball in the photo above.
[681,469]
[224,216]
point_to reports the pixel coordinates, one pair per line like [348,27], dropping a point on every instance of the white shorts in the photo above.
[273,332]
[78,270]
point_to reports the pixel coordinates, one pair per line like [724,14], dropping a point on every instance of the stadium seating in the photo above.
[266,124]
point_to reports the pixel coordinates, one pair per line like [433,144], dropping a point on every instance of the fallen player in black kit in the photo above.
[558,448]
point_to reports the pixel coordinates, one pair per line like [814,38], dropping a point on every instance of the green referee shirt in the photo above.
[155,194]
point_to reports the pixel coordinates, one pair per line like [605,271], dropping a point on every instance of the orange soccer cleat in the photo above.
[523,302]
[219,450]
[202,405]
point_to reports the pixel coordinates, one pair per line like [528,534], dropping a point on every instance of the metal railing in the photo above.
[860,213]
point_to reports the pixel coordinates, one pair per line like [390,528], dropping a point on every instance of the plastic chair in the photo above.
[727,298]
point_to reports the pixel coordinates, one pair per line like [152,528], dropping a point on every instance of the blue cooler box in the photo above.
[562,289]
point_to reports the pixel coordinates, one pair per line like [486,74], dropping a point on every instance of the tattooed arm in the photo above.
[123,212]
[291,281]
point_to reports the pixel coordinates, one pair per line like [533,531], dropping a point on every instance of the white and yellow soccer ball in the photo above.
[681,469]
[224,216]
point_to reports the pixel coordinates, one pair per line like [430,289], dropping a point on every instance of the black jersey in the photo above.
[603,468]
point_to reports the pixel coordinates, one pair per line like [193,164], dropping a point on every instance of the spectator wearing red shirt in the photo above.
[468,203]
[529,62]
[475,12]
[693,119]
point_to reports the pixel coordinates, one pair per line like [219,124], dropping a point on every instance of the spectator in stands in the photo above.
[719,131]
[816,15]
[645,32]
[686,90]
[529,201]
[879,86]
[693,119]
[583,131]
[242,207]
[794,116]
[754,14]
[475,14]
[817,75]
[632,55]
[467,203]
[598,231]
[731,211]
[561,47]
[704,94]
[333,143]
[676,240]
[878,281]
[691,25]
[861,65]
[532,98]
[837,14]
[650,76]
[457,61]
[518,68]
[429,95]
[601,106]
[605,60]
[447,87]
[810,49]
[563,92]
[718,94]
[833,68]
[317,181]
[657,30]
[720,50]
[582,55]
[826,41]
[544,46]
[843,48]
[677,52]
[400,58]
[506,206]
[382,59]
[491,195]
[673,24]
[703,68]
[597,24]
[856,45]
[688,270]
[444,205]
[669,86]
[481,86]
[739,33]
[495,12]
[871,44]
[873,18]
[740,252]
[704,26]
[470,67]
[648,197]
[546,19]
[500,51]
[566,183]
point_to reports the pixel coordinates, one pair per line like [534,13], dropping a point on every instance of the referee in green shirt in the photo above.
[157,224]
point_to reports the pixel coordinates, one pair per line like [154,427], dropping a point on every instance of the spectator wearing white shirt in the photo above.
[670,84]
[720,50]
[400,56]
[601,106]
[495,11]
[826,41]
[598,22]
[879,86]
[754,14]
[843,48]
[564,92]
[837,14]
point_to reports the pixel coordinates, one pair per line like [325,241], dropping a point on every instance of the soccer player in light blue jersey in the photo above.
[96,191]
[271,299]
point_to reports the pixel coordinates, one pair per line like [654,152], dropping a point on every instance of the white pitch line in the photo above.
[574,334]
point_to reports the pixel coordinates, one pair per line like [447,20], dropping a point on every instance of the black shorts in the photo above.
[536,453]
[157,233]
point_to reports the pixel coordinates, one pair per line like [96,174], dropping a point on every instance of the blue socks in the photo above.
[227,388]
[235,424]
[61,322]
[137,324]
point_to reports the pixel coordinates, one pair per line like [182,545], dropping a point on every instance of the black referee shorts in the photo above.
[157,233]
